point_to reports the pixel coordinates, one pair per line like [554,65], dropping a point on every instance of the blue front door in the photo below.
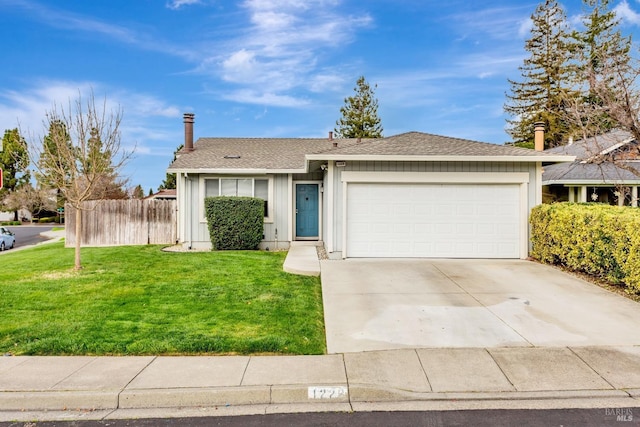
[307,210]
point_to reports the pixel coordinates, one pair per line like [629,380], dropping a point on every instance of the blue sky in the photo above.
[265,68]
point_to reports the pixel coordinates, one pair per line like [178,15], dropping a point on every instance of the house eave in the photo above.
[442,158]
[590,182]
[245,171]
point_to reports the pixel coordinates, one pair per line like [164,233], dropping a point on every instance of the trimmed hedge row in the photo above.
[597,239]
[235,223]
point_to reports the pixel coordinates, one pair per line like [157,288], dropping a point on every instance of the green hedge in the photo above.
[597,239]
[235,222]
[11,223]
[47,219]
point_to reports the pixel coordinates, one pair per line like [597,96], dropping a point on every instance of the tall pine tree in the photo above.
[539,95]
[600,54]
[360,114]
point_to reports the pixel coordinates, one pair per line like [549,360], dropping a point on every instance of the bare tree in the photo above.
[34,200]
[605,76]
[80,154]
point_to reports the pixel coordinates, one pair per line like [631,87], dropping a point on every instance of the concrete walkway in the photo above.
[302,259]
[123,387]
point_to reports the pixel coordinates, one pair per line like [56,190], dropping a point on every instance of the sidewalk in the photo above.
[53,388]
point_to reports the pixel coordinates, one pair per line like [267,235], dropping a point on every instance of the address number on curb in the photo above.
[327,392]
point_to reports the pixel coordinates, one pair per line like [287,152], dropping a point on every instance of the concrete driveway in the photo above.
[382,304]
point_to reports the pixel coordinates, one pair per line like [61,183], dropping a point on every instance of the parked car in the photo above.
[7,239]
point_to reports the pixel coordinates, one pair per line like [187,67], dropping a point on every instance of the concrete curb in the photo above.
[269,396]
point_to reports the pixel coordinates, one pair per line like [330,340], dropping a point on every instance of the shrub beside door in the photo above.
[235,223]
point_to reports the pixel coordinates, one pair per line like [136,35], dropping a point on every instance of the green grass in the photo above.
[139,300]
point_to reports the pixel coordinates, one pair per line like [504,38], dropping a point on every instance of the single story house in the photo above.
[166,194]
[408,195]
[606,169]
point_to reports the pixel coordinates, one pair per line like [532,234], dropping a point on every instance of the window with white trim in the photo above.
[240,187]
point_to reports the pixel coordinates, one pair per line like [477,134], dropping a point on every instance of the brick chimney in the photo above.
[188,131]
[538,138]
[335,143]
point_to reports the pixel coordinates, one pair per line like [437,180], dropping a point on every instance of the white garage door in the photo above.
[433,220]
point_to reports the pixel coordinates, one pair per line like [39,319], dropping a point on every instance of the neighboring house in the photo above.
[606,170]
[162,195]
[409,195]
[10,216]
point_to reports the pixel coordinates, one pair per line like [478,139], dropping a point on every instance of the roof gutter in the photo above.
[550,158]
[235,171]
[590,183]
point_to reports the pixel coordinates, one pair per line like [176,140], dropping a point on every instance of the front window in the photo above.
[239,187]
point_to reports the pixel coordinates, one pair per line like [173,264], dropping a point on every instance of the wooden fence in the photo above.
[123,222]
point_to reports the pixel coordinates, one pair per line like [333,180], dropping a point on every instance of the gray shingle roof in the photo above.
[425,144]
[577,172]
[290,153]
[255,153]
[586,148]
[589,165]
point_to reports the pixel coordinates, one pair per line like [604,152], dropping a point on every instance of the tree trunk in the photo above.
[78,264]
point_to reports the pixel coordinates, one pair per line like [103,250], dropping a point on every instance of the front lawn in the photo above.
[140,300]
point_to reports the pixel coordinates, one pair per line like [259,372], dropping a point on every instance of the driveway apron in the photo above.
[384,304]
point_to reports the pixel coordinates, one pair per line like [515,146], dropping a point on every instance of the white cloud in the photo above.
[61,19]
[27,108]
[144,122]
[177,4]
[240,66]
[281,49]
[524,29]
[248,96]
[624,12]
[499,23]
[326,82]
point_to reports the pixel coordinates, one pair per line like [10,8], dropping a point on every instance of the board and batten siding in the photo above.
[197,234]
[394,166]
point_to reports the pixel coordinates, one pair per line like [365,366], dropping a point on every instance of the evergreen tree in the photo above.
[169,182]
[539,96]
[14,162]
[56,155]
[360,114]
[138,192]
[600,52]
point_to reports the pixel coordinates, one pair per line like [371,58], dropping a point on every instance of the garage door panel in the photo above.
[433,220]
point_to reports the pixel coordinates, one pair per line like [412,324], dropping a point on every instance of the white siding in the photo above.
[457,167]
[196,230]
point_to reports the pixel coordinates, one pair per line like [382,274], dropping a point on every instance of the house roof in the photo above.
[293,154]
[589,148]
[593,164]
[427,146]
[163,194]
